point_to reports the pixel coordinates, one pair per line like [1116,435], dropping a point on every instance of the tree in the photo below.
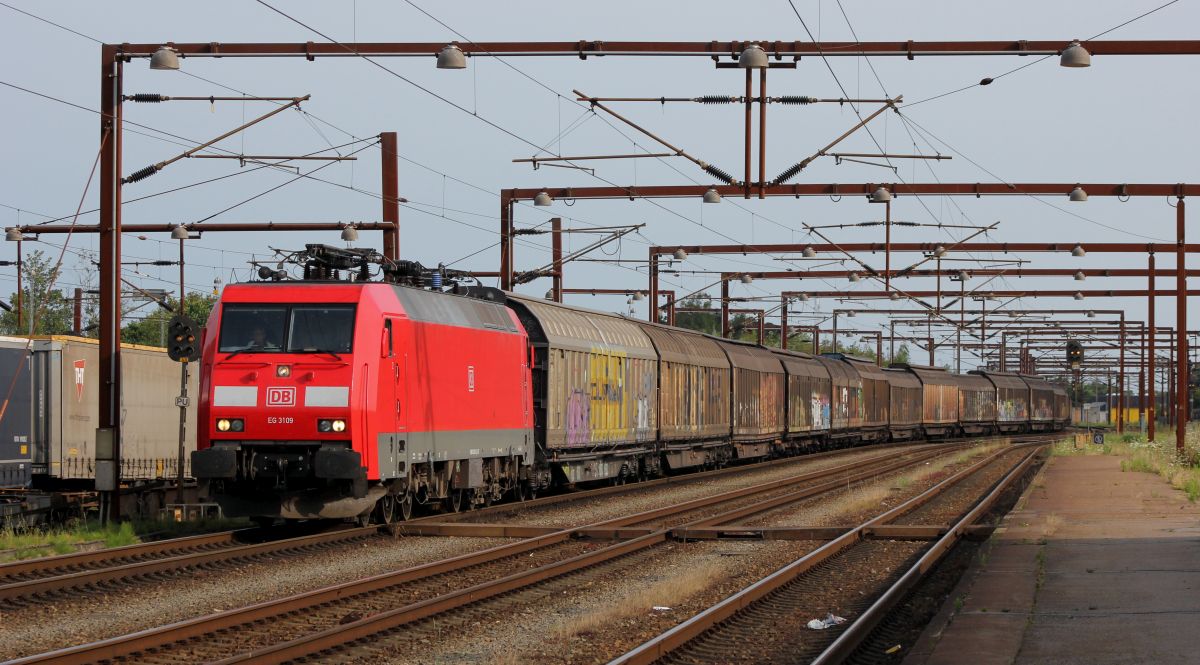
[706,322]
[50,309]
[151,330]
[902,355]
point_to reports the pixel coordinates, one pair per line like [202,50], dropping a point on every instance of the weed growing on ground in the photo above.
[1159,457]
[666,593]
[28,543]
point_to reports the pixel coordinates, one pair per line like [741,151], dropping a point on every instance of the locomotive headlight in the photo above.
[324,425]
[283,371]
[223,425]
[339,425]
[237,424]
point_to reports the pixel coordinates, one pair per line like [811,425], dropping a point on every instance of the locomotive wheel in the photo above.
[404,507]
[387,509]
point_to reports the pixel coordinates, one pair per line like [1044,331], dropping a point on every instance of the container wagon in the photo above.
[65,376]
[16,414]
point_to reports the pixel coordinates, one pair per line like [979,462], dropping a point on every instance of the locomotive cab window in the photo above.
[253,329]
[278,328]
[315,329]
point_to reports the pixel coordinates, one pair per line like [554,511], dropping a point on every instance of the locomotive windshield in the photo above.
[290,329]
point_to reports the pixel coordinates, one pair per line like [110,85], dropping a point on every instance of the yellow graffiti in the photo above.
[606,385]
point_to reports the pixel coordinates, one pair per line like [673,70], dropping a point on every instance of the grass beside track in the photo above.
[1182,471]
[21,544]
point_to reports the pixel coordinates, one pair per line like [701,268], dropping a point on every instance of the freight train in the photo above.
[322,398]
[49,395]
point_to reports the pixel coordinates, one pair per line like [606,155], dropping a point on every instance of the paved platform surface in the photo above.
[1093,566]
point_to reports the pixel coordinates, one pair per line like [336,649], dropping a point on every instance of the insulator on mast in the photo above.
[718,174]
[795,99]
[788,174]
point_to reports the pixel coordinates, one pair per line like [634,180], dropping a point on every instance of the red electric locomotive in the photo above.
[326,399]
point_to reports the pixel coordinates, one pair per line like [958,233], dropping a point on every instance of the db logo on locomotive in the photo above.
[281,396]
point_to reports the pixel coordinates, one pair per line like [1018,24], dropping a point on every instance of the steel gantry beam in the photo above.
[584,48]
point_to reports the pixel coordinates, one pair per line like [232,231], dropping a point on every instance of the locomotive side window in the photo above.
[254,328]
[321,328]
[389,348]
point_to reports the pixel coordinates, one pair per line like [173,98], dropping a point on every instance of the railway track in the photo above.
[864,572]
[45,579]
[42,580]
[326,620]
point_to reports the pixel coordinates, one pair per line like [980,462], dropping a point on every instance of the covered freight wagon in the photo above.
[1041,403]
[65,375]
[977,404]
[1062,406]
[846,400]
[1012,400]
[939,399]
[758,394]
[875,396]
[905,408]
[693,395]
[596,387]
[808,400]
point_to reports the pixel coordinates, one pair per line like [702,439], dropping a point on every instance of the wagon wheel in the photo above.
[404,507]
[519,490]
[454,501]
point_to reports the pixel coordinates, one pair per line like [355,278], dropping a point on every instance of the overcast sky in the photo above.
[1125,119]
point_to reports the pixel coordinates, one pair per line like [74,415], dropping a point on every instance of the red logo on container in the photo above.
[285,396]
[80,365]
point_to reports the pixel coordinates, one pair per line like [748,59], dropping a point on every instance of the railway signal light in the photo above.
[182,339]
[1074,354]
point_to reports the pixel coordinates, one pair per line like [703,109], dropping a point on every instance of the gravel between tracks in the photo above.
[91,617]
[602,618]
